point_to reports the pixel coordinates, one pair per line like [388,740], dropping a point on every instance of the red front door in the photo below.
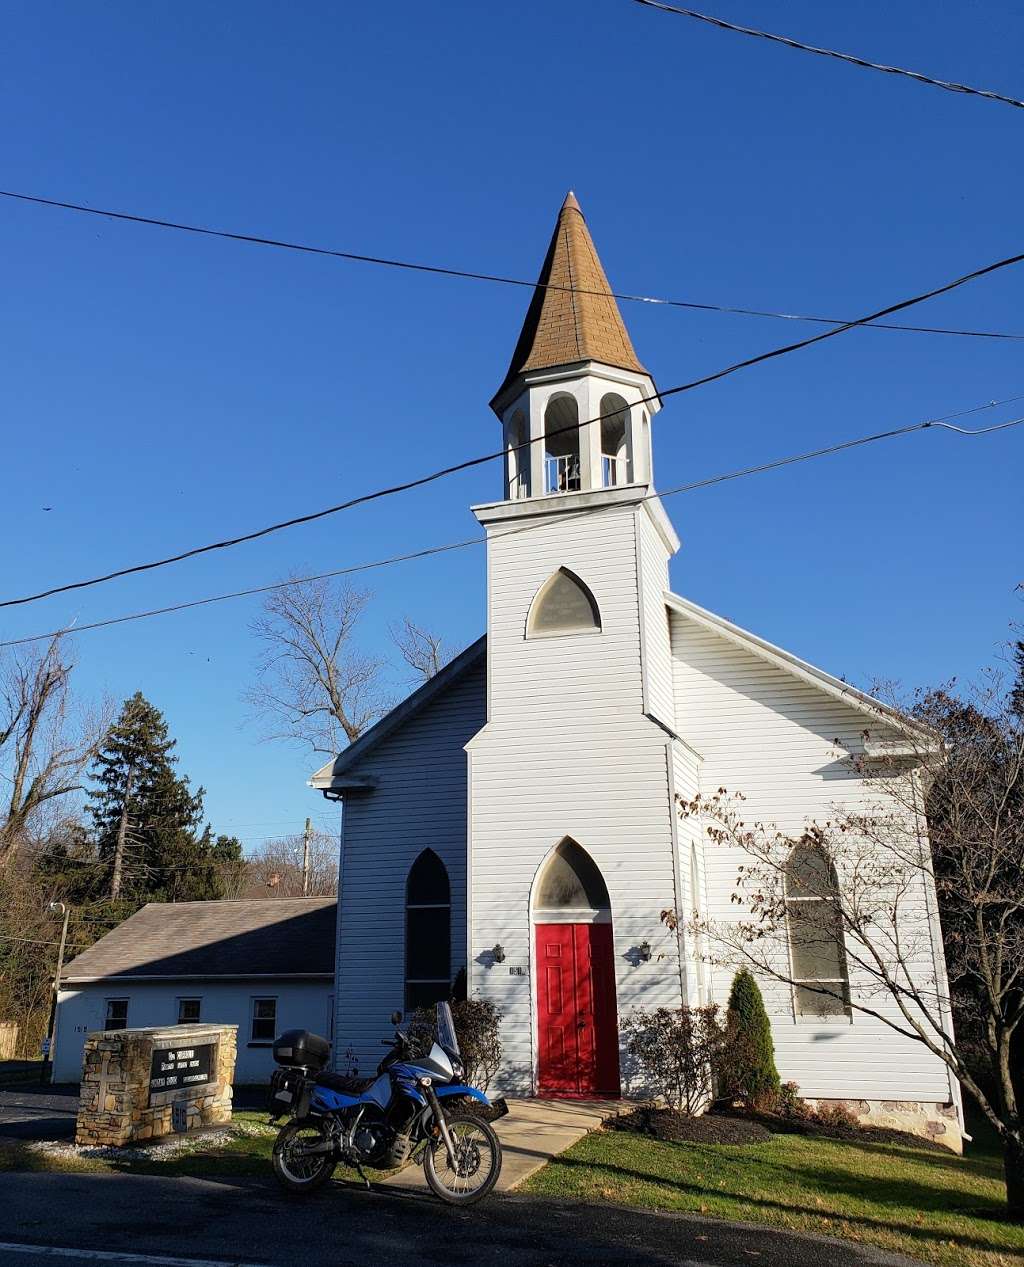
[576,1017]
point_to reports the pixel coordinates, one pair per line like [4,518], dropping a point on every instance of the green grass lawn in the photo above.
[927,1204]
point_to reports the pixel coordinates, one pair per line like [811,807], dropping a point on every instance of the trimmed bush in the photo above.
[748,1069]
[676,1050]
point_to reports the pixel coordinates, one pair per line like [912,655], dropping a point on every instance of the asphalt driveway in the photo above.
[192,1222]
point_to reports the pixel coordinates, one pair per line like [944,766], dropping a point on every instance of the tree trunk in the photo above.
[122,835]
[1013,1167]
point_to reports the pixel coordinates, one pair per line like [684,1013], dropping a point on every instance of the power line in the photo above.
[948,85]
[420,481]
[497,278]
[708,482]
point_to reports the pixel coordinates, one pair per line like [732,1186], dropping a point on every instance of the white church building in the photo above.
[516,816]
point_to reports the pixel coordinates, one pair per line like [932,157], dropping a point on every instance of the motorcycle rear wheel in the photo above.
[478,1156]
[297,1173]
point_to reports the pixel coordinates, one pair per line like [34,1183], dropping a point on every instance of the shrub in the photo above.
[790,1103]
[477,1027]
[677,1049]
[835,1116]
[748,1070]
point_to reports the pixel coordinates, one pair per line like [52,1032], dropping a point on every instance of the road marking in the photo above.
[110,1256]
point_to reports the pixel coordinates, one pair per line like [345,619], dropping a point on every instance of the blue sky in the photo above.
[159,391]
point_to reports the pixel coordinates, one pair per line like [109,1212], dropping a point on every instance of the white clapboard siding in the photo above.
[657,650]
[764,732]
[568,752]
[419,802]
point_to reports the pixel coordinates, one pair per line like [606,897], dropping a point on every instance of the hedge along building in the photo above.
[516,815]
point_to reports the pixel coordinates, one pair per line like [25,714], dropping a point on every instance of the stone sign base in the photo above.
[938,1122]
[141,1084]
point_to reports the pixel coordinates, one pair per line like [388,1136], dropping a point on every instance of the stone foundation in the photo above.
[141,1084]
[938,1122]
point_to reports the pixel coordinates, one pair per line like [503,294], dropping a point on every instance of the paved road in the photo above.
[37,1112]
[168,1222]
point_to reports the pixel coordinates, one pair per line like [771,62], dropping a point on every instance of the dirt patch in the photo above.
[677,1128]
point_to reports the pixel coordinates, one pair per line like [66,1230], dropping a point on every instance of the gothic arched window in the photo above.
[816,948]
[571,881]
[563,605]
[428,932]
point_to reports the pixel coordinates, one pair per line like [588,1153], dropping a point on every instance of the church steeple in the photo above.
[572,316]
[573,362]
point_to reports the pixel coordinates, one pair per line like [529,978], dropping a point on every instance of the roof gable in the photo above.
[875,709]
[335,773]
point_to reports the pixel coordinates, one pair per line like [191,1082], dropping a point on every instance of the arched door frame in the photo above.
[561,915]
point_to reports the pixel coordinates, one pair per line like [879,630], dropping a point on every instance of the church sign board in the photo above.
[177,1068]
[143,1084]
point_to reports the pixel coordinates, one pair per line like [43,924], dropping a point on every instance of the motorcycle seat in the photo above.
[343,1083]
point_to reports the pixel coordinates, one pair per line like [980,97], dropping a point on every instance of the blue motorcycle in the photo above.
[414,1105]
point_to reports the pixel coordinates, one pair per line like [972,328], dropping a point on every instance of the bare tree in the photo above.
[45,743]
[275,868]
[312,684]
[845,912]
[424,652]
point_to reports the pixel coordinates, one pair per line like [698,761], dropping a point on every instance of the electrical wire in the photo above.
[850,58]
[708,482]
[469,275]
[422,480]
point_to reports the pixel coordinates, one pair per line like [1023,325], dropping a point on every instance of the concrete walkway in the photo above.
[533,1132]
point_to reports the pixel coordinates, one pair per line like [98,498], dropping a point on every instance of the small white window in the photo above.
[563,605]
[264,1021]
[117,1014]
[189,1011]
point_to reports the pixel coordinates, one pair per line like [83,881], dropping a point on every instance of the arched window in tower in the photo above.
[428,932]
[615,463]
[518,454]
[816,949]
[563,605]
[562,445]
[570,881]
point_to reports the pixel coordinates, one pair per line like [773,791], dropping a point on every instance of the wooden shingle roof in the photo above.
[260,937]
[572,315]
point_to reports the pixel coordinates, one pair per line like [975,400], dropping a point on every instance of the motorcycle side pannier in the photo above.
[298,1047]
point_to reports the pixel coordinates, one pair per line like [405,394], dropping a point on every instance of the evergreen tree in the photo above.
[750,1061]
[147,820]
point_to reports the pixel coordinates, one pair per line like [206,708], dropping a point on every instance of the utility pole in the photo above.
[305,858]
[62,909]
[122,836]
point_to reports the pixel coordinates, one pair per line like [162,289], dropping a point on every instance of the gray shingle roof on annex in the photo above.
[259,937]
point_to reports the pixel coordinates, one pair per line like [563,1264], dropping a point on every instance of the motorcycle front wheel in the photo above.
[477,1156]
[299,1171]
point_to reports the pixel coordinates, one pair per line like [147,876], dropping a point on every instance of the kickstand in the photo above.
[359,1171]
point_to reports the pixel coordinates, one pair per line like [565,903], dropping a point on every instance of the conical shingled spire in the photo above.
[572,315]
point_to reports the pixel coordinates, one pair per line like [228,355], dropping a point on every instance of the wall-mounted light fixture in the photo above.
[499,953]
[644,950]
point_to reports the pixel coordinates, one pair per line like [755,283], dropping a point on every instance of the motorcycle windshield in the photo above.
[446,1031]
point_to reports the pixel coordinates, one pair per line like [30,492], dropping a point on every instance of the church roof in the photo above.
[572,315]
[332,776]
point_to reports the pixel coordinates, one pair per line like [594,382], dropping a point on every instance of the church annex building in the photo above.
[515,816]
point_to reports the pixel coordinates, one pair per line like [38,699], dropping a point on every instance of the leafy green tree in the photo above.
[749,1066]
